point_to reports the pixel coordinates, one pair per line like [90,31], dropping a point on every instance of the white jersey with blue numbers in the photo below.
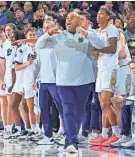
[74,57]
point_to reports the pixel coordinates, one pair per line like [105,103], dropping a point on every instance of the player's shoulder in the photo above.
[112,27]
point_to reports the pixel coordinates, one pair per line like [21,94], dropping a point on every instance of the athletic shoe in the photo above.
[16,134]
[57,138]
[8,135]
[2,133]
[73,148]
[93,136]
[46,141]
[110,141]
[24,134]
[123,139]
[38,136]
[98,142]
[129,144]
[82,139]
[61,142]
[30,136]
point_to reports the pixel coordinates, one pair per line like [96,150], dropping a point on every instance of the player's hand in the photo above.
[2,85]
[82,31]
[29,62]
[53,31]
[10,88]
[117,100]
[33,85]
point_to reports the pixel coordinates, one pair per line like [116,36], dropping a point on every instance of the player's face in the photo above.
[132,68]
[84,21]
[31,35]
[72,22]
[102,17]
[47,27]
[8,32]
[2,34]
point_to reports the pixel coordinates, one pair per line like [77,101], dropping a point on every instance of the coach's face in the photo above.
[72,22]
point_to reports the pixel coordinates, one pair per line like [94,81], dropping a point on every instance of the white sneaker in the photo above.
[38,136]
[8,135]
[93,136]
[83,139]
[72,148]
[46,141]
[2,133]
[130,143]
[61,142]
[121,141]
[16,135]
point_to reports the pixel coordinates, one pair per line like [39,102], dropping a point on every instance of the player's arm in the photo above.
[94,40]
[41,42]
[111,49]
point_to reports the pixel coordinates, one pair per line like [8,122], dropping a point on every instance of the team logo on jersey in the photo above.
[113,79]
[9,52]
[31,56]
[20,51]
[80,39]
[128,84]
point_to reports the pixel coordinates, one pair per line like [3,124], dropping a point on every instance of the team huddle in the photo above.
[87,73]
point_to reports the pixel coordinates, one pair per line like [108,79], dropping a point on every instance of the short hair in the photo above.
[52,14]
[108,12]
[84,13]
[49,22]
[61,21]
[32,29]
[131,61]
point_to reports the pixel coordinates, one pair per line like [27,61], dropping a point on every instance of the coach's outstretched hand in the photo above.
[82,31]
[53,31]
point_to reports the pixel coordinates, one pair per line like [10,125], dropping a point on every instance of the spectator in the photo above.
[14,5]
[130,33]
[38,23]
[86,6]
[119,24]
[26,25]
[67,6]
[128,10]
[42,12]
[43,5]
[3,18]
[9,14]
[77,10]
[19,15]
[50,16]
[28,11]
[112,7]
[63,11]
[132,17]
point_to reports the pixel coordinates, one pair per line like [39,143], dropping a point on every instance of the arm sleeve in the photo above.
[19,56]
[41,42]
[36,68]
[112,32]
[94,40]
